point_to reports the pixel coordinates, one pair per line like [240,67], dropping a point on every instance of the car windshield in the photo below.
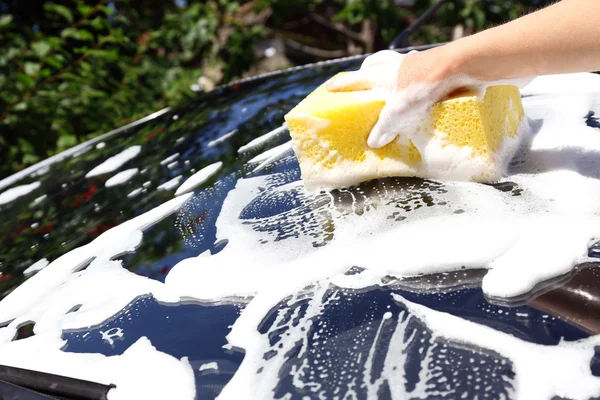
[182,257]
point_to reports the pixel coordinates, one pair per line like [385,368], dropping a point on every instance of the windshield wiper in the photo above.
[49,384]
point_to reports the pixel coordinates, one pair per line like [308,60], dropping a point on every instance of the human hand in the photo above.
[411,83]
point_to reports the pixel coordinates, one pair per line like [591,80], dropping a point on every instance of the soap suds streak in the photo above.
[209,366]
[135,192]
[261,140]
[309,240]
[115,162]
[121,177]
[111,335]
[281,151]
[36,266]
[102,289]
[222,139]
[273,153]
[38,200]
[170,159]
[199,178]
[170,184]
[18,191]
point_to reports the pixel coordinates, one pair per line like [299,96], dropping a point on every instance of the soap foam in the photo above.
[170,184]
[18,191]
[121,177]
[199,178]
[102,289]
[130,372]
[135,192]
[170,159]
[115,162]
[263,139]
[273,153]
[36,266]
[222,138]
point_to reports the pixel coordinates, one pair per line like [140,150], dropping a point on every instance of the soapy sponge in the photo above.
[466,138]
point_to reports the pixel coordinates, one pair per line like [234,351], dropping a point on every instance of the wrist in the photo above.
[430,66]
[450,60]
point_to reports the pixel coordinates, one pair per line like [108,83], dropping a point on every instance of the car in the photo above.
[181,257]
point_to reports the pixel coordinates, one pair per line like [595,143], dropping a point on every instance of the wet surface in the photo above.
[77,209]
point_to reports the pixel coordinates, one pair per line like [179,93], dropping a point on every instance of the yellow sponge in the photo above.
[466,138]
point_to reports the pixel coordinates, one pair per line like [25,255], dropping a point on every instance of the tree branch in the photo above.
[313,51]
[336,27]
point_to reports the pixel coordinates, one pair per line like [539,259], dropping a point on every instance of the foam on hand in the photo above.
[465,138]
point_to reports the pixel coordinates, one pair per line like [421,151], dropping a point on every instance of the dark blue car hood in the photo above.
[326,340]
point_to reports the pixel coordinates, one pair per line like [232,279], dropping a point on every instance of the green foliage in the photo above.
[90,67]
[72,69]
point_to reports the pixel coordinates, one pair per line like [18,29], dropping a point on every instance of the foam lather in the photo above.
[468,137]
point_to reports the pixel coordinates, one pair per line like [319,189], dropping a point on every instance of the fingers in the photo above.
[384,131]
[377,70]
[350,81]
[381,57]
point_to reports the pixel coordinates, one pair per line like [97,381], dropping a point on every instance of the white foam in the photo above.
[111,335]
[38,200]
[273,154]
[207,366]
[259,141]
[101,145]
[121,177]
[170,184]
[222,139]
[61,286]
[36,266]
[541,372]
[101,290]
[199,178]
[115,162]
[130,372]
[135,192]
[18,191]
[170,159]
[281,151]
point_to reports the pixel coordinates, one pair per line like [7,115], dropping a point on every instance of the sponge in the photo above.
[465,137]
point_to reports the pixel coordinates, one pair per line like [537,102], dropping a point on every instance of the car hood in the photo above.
[184,251]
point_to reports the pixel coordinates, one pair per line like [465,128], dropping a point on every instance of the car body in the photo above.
[331,338]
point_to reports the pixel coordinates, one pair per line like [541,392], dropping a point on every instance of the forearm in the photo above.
[561,38]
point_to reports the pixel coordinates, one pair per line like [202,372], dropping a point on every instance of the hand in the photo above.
[411,83]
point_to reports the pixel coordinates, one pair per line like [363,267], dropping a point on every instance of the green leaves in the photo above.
[66,141]
[60,10]
[78,34]
[5,21]
[32,68]
[40,48]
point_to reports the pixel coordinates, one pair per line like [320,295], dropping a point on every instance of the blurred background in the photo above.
[73,69]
